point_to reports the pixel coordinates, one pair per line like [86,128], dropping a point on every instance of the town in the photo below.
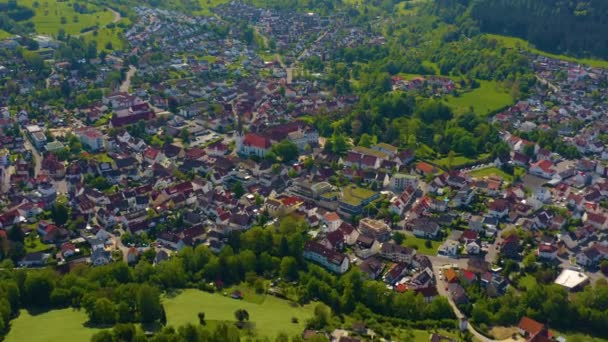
[213,137]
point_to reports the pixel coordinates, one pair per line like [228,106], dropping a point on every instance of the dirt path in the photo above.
[124,87]
[117,16]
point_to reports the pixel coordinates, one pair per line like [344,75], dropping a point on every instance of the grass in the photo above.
[503,333]
[47,18]
[105,36]
[207,5]
[354,195]
[419,245]
[459,161]
[420,335]
[57,325]
[270,317]
[33,244]
[485,100]
[518,43]
[249,294]
[4,34]
[490,171]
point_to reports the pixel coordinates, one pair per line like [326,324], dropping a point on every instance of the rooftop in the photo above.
[354,195]
[571,279]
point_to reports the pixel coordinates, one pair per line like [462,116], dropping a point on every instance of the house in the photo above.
[91,138]
[395,273]
[377,229]
[252,145]
[333,261]
[353,199]
[68,249]
[349,232]
[366,246]
[596,220]
[449,248]
[425,228]
[543,168]
[400,182]
[100,257]
[332,221]
[34,259]
[397,253]
[510,247]
[132,255]
[451,277]
[372,267]
[425,169]
[498,208]
[592,256]
[458,294]
[547,251]
[531,329]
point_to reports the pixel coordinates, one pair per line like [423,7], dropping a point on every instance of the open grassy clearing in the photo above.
[514,42]
[420,245]
[105,36]
[270,317]
[486,99]
[58,325]
[459,161]
[490,171]
[53,15]
[503,333]
[4,34]
[207,5]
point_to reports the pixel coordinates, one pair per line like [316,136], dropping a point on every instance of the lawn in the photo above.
[105,36]
[490,171]
[49,14]
[207,5]
[4,34]
[503,333]
[514,42]
[420,245]
[459,161]
[33,244]
[485,100]
[270,317]
[58,325]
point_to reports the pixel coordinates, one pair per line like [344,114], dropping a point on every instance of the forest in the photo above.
[575,28]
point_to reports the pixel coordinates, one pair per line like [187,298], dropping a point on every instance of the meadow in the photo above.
[58,325]
[53,15]
[270,317]
[514,42]
[485,100]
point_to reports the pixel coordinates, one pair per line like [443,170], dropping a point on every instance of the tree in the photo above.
[604,267]
[104,312]
[241,316]
[148,304]
[398,238]
[289,268]
[38,287]
[238,190]
[59,213]
[201,318]
[285,150]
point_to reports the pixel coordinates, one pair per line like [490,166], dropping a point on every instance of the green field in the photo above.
[459,161]
[49,13]
[419,245]
[4,34]
[207,5]
[490,171]
[271,317]
[105,36]
[58,325]
[486,99]
[514,42]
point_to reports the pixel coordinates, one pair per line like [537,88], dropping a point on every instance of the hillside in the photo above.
[575,28]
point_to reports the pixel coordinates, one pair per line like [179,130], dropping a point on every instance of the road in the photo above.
[439,263]
[126,84]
